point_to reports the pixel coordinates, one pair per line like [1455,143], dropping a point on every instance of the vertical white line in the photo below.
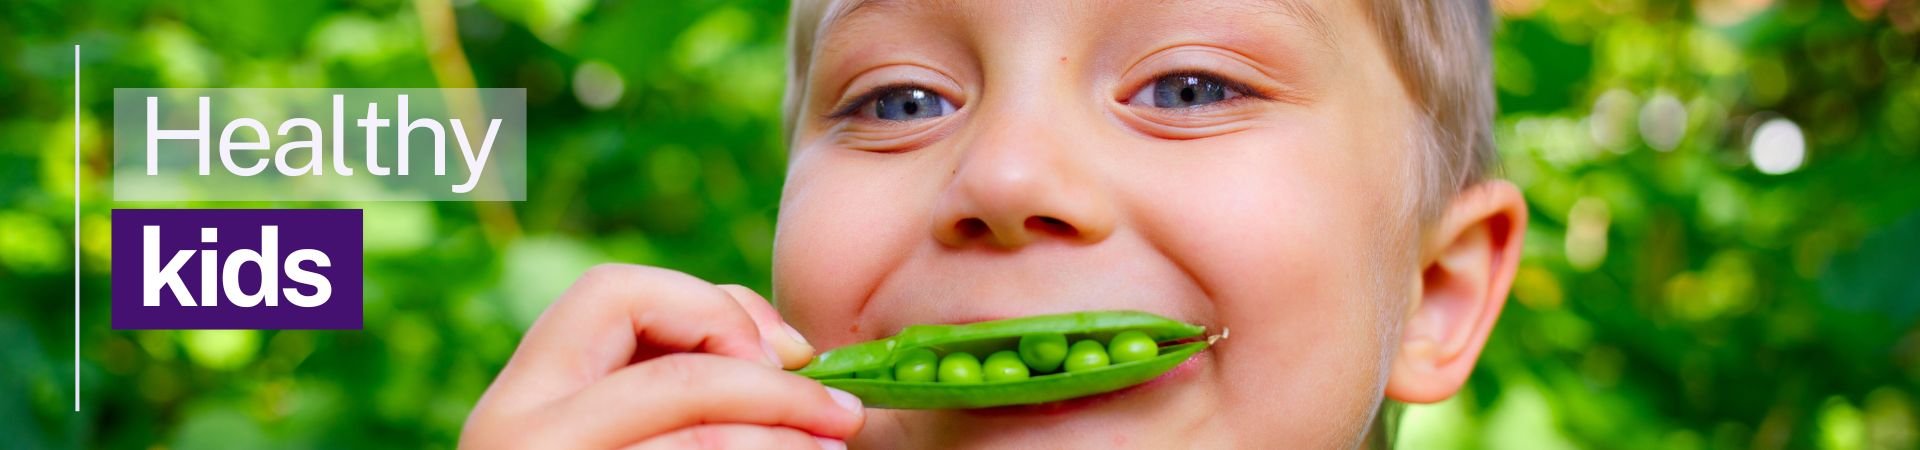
[76,228]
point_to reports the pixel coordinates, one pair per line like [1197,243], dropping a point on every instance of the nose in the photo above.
[1022,183]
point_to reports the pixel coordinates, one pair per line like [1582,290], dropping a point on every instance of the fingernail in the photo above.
[848,401]
[830,444]
[772,356]
[796,334]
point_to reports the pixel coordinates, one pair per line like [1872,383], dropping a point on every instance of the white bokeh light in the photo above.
[1610,125]
[1777,147]
[1663,121]
[597,85]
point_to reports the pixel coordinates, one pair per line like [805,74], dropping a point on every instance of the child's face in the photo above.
[1242,164]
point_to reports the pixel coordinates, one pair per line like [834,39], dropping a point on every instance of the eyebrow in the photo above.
[1309,17]
[842,10]
[1302,12]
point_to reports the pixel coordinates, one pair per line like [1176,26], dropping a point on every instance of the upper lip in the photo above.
[968,287]
[972,318]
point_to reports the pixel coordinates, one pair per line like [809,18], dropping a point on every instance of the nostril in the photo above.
[971,227]
[1051,226]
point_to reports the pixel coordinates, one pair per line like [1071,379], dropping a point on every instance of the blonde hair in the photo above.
[803,17]
[1442,51]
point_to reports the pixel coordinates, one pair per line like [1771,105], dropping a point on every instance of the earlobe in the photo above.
[1468,260]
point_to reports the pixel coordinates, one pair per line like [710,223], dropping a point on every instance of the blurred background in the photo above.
[1724,251]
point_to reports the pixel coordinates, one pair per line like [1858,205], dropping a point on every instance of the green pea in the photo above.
[1043,352]
[960,368]
[1004,365]
[920,380]
[918,365]
[1086,354]
[1130,346]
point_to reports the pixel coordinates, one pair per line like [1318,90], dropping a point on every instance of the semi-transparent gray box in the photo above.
[315,144]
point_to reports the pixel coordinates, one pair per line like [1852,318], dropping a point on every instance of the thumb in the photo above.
[793,350]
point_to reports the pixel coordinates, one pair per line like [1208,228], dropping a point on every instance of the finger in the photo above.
[687,389]
[793,349]
[737,436]
[615,315]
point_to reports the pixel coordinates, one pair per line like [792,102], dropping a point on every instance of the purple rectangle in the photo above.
[315,264]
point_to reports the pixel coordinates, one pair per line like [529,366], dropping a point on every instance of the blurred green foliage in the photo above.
[1685,285]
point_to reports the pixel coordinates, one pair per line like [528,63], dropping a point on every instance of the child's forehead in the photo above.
[1308,14]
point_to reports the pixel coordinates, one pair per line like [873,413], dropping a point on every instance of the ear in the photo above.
[1467,260]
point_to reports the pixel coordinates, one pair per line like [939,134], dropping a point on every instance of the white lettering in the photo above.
[246,147]
[267,259]
[372,123]
[155,134]
[280,156]
[439,139]
[227,146]
[474,164]
[156,277]
[323,288]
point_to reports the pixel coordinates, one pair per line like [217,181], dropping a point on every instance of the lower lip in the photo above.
[1063,407]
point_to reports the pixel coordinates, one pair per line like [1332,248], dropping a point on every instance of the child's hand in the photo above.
[642,357]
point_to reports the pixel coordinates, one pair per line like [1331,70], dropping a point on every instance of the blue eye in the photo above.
[910,103]
[1184,91]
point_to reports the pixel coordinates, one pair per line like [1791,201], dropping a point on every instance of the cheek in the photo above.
[845,220]
[1289,220]
[1290,231]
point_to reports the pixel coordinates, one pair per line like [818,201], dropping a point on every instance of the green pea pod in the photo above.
[836,368]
